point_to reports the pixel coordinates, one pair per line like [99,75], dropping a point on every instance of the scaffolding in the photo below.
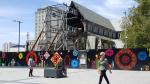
[54,35]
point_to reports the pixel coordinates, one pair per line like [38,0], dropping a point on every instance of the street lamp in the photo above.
[19,34]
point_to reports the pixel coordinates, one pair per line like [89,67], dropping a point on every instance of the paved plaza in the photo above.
[75,76]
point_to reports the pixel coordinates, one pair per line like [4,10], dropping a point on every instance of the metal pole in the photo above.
[19,38]
[125,30]
[27,42]
[19,34]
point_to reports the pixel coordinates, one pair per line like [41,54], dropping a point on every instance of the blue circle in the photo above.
[75,53]
[142,56]
[74,63]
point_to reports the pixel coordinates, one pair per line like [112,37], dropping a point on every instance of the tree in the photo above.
[137,25]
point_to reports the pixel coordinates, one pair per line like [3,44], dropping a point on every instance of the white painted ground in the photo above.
[75,76]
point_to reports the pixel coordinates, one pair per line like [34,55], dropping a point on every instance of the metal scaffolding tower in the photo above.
[54,35]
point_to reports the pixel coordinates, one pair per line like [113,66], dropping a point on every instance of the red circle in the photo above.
[109,52]
[31,54]
[131,63]
[125,59]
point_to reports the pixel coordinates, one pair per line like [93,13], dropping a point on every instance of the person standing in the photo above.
[31,65]
[103,66]
[13,62]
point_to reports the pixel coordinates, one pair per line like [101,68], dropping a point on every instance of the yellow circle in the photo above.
[20,56]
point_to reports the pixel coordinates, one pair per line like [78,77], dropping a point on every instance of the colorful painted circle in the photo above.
[20,56]
[125,59]
[75,53]
[142,56]
[109,52]
[74,63]
[31,54]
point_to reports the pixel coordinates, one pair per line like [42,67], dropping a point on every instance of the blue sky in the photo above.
[24,10]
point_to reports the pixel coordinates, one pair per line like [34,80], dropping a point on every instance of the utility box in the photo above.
[53,73]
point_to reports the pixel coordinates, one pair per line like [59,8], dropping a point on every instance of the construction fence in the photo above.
[124,59]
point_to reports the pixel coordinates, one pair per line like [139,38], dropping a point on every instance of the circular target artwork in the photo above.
[109,52]
[20,56]
[74,63]
[75,53]
[31,54]
[142,56]
[125,59]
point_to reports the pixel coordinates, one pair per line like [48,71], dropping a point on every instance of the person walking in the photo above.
[103,66]
[31,65]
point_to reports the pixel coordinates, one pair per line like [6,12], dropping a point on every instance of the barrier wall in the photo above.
[126,59]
